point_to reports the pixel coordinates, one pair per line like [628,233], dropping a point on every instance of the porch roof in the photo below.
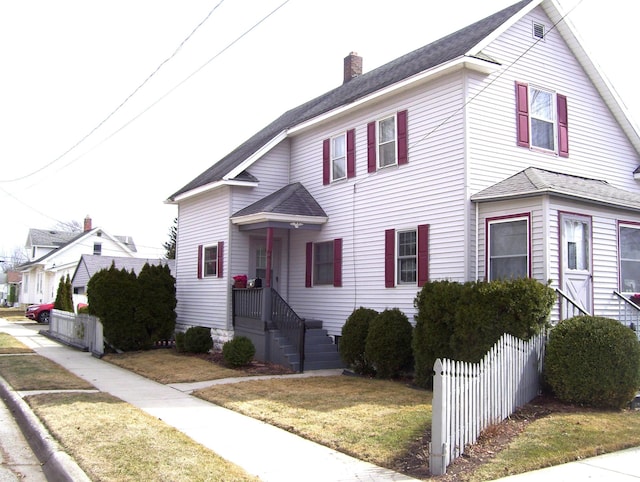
[291,206]
[535,182]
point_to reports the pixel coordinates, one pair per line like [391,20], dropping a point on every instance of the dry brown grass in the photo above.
[33,372]
[10,345]
[374,420]
[114,441]
[169,366]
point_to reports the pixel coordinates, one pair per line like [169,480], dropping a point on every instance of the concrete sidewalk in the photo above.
[263,450]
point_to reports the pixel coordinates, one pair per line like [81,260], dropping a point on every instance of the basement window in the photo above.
[538,31]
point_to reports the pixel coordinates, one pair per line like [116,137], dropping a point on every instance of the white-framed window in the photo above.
[387,139]
[210,261]
[629,253]
[323,262]
[508,248]
[407,256]
[339,157]
[543,118]
[97,249]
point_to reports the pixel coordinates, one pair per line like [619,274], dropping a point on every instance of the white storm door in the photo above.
[577,273]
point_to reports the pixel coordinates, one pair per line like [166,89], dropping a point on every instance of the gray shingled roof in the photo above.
[293,199]
[91,264]
[436,53]
[49,237]
[535,182]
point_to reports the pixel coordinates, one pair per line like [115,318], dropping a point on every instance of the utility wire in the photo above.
[113,112]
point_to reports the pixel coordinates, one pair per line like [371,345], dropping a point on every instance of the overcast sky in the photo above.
[67,65]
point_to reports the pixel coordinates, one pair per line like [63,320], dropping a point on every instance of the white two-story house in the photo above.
[500,150]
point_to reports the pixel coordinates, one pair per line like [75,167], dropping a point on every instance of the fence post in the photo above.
[437,447]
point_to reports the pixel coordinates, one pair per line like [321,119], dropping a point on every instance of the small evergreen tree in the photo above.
[155,310]
[64,299]
[170,246]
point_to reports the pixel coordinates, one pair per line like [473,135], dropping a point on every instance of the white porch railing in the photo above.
[82,331]
[469,397]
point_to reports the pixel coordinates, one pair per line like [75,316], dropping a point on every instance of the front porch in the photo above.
[279,334]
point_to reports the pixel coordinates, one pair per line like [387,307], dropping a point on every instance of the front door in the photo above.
[258,261]
[577,274]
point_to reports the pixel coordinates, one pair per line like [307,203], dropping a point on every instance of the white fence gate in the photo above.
[469,397]
[82,331]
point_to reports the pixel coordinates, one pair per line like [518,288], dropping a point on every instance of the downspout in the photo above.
[478,242]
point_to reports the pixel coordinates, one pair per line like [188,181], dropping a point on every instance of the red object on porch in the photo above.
[240,281]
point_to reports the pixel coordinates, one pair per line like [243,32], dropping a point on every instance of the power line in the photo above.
[113,112]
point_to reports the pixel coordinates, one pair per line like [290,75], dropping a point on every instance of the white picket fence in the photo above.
[469,397]
[82,331]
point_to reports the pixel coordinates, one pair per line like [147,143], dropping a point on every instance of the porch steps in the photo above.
[320,351]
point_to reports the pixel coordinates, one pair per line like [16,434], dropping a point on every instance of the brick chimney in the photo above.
[87,223]
[352,67]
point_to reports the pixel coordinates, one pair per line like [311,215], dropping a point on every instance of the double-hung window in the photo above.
[508,248]
[338,157]
[324,263]
[407,262]
[542,120]
[387,141]
[629,253]
[210,260]
[406,256]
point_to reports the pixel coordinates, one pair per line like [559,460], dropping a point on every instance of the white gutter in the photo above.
[284,218]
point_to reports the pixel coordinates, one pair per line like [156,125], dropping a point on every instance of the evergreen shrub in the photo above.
[197,339]
[180,336]
[238,352]
[593,361]
[354,338]
[388,346]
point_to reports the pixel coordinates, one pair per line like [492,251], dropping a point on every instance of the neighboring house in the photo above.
[54,255]
[14,280]
[90,264]
[498,151]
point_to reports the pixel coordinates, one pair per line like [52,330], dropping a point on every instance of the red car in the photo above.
[39,313]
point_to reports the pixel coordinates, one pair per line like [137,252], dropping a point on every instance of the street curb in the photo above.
[57,465]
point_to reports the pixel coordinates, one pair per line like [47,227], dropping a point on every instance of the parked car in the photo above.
[39,313]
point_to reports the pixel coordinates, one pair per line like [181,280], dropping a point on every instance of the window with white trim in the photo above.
[543,119]
[508,251]
[407,253]
[629,252]
[387,152]
[323,263]
[210,261]
[97,249]
[338,157]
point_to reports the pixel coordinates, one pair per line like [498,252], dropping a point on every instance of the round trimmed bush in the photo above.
[593,361]
[197,339]
[388,346]
[238,352]
[354,339]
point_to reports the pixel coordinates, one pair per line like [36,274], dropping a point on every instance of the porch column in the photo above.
[269,250]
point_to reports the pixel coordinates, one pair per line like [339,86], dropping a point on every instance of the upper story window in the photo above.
[542,120]
[629,255]
[508,248]
[210,260]
[406,256]
[97,249]
[339,157]
[387,141]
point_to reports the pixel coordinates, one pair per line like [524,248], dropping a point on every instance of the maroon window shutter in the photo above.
[326,168]
[389,258]
[563,126]
[522,113]
[423,254]
[337,262]
[371,146]
[351,153]
[308,265]
[199,261]
[402,137]
[220,257]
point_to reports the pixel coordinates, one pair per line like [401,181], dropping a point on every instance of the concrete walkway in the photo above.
[263,450]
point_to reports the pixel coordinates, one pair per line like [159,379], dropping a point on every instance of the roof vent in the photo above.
[538,31]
